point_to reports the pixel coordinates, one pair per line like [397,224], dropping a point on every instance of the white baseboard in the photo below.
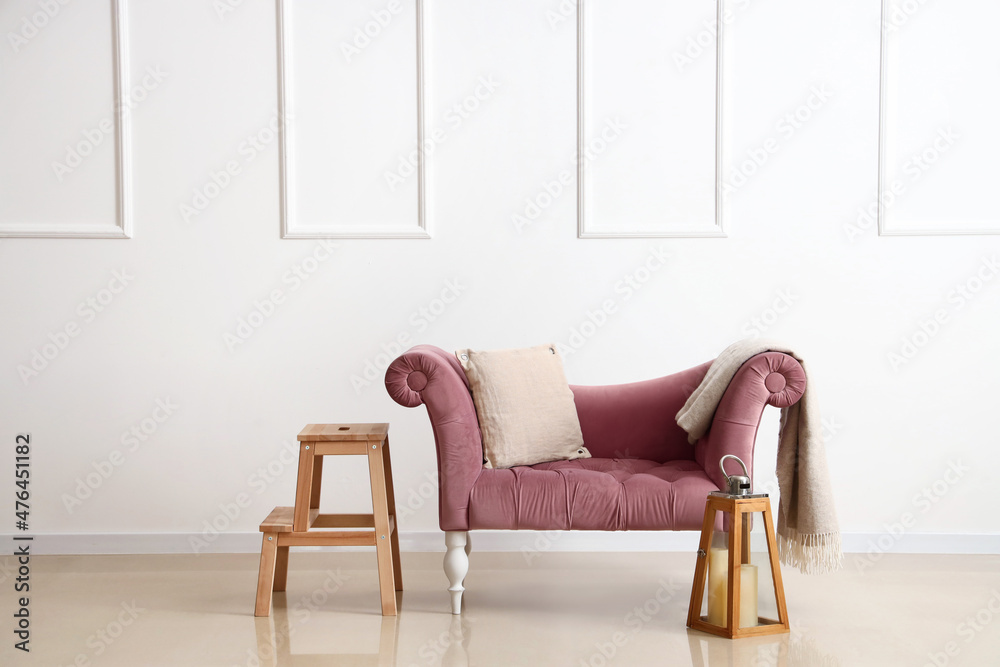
[494,540]
[922,543]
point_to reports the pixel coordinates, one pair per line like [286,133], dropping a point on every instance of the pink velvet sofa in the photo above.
[644,474]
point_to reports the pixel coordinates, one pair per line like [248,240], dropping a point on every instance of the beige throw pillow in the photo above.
[525,406]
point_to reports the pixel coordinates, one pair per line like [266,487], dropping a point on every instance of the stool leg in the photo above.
[265,577]
[280,569]
[383,537]
[317,482]
[303,489]
[397,570]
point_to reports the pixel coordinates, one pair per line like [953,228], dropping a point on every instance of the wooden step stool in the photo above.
[293,526]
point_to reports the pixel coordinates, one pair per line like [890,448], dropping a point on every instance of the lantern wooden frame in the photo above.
[737,507]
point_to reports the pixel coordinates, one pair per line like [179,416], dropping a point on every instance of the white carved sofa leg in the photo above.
[468,551]
[456,565]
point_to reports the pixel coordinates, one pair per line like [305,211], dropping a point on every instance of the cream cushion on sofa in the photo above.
[525,406]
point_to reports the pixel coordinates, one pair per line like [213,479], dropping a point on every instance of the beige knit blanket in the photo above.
[808,532]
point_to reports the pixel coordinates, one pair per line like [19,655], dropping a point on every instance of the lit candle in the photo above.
[718,585]
[748,596]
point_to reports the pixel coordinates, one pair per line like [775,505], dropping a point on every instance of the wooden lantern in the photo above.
[732,578]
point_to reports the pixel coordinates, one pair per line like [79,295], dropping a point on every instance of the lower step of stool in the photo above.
[279,536]
[279,523]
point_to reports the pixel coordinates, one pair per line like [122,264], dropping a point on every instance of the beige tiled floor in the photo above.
[561,609]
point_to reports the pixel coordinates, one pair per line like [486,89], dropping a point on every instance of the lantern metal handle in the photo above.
[722,465]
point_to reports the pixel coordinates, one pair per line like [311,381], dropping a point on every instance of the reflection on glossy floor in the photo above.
[568,609]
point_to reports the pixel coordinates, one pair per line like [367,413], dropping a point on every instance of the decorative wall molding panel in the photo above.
[938,135]
[649,157]
[341,114]
[74,180]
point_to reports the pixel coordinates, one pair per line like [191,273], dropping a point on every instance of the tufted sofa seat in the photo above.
[591,494]
[644,474]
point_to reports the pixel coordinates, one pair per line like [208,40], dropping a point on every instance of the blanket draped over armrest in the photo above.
[808,533]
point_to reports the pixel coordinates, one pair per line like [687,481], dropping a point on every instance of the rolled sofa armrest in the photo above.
[769,378]
[429,375]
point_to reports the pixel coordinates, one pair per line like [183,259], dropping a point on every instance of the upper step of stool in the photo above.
[343,432]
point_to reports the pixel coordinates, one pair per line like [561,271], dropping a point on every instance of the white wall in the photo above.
[853,300]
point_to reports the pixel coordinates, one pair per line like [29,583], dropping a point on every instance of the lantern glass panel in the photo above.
[756,598]
[760,567]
